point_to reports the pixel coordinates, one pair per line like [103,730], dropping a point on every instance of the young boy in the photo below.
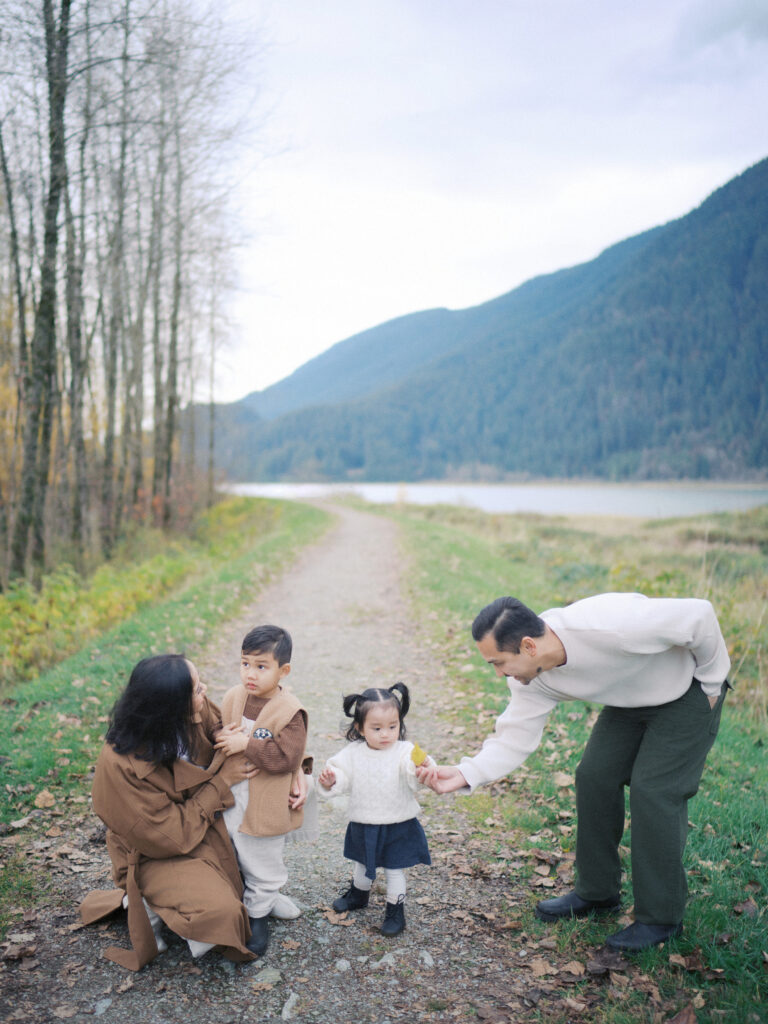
[267,725]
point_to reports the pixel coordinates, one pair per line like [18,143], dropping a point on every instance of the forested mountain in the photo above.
[647,362]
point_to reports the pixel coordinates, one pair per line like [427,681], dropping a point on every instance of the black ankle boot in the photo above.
[394,918]
[259,939]
[353,899]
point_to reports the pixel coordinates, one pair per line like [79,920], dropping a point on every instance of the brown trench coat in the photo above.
[168,843]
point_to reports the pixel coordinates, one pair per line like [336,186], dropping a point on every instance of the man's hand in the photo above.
[447,778]
[232,740]
[714,700]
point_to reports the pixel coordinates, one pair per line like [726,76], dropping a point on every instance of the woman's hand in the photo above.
[235,770]
[327,778]
[232,740]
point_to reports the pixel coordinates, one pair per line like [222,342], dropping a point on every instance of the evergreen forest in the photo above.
[649,362]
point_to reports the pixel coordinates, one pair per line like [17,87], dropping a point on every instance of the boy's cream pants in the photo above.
[260,858]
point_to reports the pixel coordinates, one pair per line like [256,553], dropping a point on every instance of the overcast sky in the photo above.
[424,153]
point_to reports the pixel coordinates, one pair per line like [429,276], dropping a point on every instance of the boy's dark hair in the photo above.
[357,706]
[152,718]
[272,640]
[508,621]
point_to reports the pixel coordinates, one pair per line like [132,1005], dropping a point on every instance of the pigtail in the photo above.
[404,700]
[349,703]
[352,704]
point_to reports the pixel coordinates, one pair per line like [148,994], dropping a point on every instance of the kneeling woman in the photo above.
[160,788]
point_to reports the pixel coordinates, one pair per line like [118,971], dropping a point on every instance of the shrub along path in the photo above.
[470,950]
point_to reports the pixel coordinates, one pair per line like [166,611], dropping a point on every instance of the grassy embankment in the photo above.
[52,720]
[461,560]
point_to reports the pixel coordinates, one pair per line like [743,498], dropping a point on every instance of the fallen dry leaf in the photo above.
[18,951]
[64,1012]
[45,799]
[541,967]
[575,968]
[562,779]
[334,918]
[749,908]
[575,1005]
[548,856]
[605,960]
[686,1016]
[490,1014]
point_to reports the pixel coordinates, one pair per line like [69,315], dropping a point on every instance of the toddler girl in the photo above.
[376,770]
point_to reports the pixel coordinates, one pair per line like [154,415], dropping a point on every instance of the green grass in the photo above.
[461,560]
[19,888]
[41,626]
[51,727]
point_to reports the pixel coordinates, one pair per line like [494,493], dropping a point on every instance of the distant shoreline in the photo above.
[643,499]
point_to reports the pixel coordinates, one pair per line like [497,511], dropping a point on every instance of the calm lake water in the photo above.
[646,501]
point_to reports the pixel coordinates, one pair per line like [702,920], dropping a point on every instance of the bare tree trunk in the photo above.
[39,410]
[157,351]
[172,383]
[21,364]
[79,349]
[115,342]
[211,386]
[18,283]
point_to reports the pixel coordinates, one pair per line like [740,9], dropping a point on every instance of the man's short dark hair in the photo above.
[508,621]
[272,640]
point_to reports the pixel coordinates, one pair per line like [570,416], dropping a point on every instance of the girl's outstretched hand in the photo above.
[327,778]
[426,772]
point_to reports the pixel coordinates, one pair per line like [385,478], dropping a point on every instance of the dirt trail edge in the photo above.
[351,624]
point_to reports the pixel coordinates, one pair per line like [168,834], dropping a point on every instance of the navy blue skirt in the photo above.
[400,845]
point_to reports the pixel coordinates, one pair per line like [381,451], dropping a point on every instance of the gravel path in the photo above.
[344,605]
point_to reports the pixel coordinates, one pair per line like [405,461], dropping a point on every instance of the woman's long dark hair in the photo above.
[152,718]
[357,706]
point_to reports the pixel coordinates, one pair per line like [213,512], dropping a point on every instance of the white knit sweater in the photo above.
[624,650]
[380,783]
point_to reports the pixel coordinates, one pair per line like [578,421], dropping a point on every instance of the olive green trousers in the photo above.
[659,752]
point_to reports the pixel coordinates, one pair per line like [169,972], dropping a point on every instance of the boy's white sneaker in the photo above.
[284,908]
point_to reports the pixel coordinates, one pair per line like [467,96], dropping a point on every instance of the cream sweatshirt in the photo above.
[624,650]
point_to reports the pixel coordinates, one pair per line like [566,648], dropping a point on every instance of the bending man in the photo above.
[659,667]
